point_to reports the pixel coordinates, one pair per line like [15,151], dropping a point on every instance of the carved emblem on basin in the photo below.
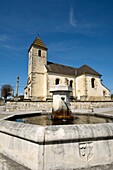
[86,151]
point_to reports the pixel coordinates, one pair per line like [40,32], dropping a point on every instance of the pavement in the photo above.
[4,114]
[100,167]
[8,164]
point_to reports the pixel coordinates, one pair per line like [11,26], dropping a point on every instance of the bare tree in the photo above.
[6,91]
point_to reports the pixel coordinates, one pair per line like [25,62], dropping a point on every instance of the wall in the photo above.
[98,90]
[52,77]
[47,106]
[81,88]
[84,88]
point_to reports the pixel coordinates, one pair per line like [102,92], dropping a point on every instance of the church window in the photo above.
[93,83]
[104,93]
[57,81]
[71,83]
[28,91]
[39,53]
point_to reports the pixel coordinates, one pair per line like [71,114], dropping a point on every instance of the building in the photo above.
[85,82]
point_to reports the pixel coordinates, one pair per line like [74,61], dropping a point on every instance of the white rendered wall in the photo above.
[84,87]
[53,77]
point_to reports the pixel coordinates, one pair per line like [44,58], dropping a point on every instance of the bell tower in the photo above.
[37,59]
[37,55]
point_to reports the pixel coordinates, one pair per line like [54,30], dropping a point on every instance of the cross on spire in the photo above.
[38,33]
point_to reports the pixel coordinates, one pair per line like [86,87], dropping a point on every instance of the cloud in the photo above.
[13,48]
[72,19]
[3,38]
[82,24]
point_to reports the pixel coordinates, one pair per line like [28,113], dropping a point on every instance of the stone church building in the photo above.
[85,82]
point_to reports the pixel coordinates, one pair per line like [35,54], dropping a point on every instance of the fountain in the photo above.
[64,146]
[61,106]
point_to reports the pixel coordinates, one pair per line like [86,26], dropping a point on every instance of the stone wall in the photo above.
[16,106]
[93,104]
[2,108]
[1,102]
[47,106]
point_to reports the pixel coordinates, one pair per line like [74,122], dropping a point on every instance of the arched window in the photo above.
[104,93]
[93,83]
[39,53]
[28,92]
[57,81]
[71,83]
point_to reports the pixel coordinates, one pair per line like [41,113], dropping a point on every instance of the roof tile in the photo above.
[67,70]
[39,43]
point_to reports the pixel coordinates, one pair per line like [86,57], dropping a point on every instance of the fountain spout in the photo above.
[61,105]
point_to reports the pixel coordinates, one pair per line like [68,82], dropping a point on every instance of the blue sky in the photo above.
[76,32]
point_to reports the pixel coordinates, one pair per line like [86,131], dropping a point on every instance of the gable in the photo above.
[85,69]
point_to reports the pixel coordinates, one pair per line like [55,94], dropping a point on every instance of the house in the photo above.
[85,82]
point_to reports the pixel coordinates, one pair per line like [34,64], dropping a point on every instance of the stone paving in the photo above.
[8,164]
[104,167]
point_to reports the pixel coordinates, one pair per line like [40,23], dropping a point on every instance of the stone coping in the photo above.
[55,133]
[34,133]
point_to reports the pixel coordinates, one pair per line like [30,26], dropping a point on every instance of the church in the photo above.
[85,82]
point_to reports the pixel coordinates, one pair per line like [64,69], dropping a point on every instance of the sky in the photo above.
[76,32]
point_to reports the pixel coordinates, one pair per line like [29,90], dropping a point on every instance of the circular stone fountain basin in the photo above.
[46,120]
[68,147]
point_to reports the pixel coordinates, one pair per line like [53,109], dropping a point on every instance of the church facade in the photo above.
[85,82]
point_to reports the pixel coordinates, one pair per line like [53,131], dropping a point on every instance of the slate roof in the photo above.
[60,69]
[67,70]
[38,43]
[85,69]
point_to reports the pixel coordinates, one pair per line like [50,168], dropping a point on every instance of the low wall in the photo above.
[19,106]
[57,147]
[2,108]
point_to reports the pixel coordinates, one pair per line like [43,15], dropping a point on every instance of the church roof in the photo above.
[67,70]
[39,43]
[85,69]
[60,69]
